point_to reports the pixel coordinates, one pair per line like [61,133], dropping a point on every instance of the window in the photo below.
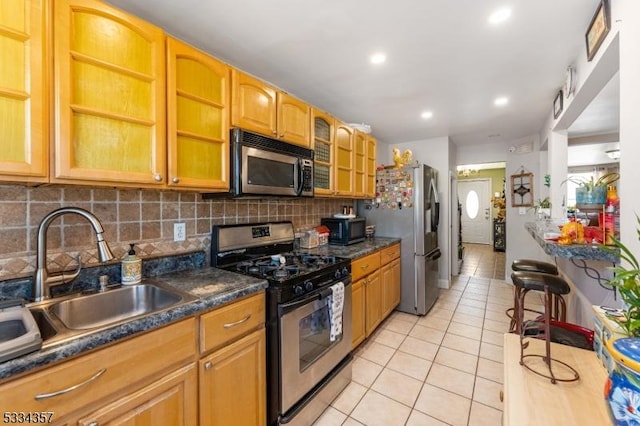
[472,204]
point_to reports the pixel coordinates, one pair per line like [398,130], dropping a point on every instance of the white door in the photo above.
[476,210]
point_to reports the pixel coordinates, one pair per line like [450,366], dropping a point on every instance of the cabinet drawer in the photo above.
[364,266]
[389,253]
[230,322]
[101,375]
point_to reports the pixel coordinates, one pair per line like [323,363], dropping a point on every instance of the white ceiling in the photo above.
[442,56]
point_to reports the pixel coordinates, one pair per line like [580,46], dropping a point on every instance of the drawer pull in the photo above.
[365,266]
[71,388]
[233,324]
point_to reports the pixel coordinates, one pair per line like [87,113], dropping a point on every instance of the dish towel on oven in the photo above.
[335,303]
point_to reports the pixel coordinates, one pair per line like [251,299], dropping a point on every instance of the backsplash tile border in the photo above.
[141,216]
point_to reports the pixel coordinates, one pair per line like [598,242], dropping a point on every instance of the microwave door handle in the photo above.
[300,169]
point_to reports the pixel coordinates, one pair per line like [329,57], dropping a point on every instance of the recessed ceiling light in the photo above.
[501,101]
[499,16]
[426,115]
[378,58]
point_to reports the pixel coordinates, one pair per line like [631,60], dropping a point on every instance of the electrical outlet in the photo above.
[179,231]
[522,211]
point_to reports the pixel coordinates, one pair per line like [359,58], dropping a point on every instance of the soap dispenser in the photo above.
[131,268]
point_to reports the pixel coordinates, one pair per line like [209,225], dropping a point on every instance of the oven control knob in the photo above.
[345,271]
[337,274]
[298,290]
[308,285]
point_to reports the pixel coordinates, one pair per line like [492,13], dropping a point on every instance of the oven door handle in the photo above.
[325,292]
[292,306]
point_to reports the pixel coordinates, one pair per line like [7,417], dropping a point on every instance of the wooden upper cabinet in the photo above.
[370,186]
[253,104]
[109,70]
[344,160]
[261,108]
[323,127]
[24,132]
[360,163]
[198,97]
[294,120]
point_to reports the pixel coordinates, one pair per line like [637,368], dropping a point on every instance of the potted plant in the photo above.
[593,192]
[543,208]
[626,281]
[622,388]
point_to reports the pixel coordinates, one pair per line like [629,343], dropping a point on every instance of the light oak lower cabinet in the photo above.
[157,378]
[233,383]
[390,276]
[233,377]
[375,291]
[373,297]
[358,302]
[171,400]
[366,277]
[103,380]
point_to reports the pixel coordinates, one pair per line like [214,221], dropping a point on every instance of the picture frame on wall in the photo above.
[557,104]
[598,29]
[522,190]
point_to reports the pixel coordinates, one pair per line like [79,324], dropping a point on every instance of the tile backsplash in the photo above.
[143,217]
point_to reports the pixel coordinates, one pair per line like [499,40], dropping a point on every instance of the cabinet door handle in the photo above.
[233,324]
[208,365]
[93,424]
[157,177]
[71,388]
[175,180]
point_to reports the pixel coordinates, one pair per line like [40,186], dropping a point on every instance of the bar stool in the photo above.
[551,285]
[559,308]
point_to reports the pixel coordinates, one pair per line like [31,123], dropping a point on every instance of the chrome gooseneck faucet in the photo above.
[43,280]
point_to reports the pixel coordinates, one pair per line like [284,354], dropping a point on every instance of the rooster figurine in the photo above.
[401,160]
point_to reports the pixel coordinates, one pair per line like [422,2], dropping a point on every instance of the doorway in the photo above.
[474,195]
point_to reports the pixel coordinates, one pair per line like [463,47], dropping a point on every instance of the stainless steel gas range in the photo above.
[307,364]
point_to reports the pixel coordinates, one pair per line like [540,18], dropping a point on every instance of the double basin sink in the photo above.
[62,319]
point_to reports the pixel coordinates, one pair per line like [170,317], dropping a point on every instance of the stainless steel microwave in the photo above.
[266,166]
[345,231]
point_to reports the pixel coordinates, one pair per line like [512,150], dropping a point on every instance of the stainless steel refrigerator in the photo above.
[406,206]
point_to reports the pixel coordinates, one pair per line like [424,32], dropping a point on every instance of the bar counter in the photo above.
[587,268]
[573,251]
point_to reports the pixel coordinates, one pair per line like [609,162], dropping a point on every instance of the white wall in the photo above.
[435,153]
[628,12]
[481,153]
[521,245]
[619,52]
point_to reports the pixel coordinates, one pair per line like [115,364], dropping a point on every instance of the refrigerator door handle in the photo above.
[435,254]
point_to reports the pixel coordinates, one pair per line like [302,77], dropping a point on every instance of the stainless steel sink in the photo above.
[47,329]
[63,319]
[112,306]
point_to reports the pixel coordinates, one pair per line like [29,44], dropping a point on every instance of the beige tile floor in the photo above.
[441,369]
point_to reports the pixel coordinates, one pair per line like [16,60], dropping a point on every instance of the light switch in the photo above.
[522,211]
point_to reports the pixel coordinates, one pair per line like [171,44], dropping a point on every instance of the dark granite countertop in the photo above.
[211,286]
[357,250]
[574,251]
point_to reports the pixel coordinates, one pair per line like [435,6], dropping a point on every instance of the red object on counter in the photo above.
[593,234]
